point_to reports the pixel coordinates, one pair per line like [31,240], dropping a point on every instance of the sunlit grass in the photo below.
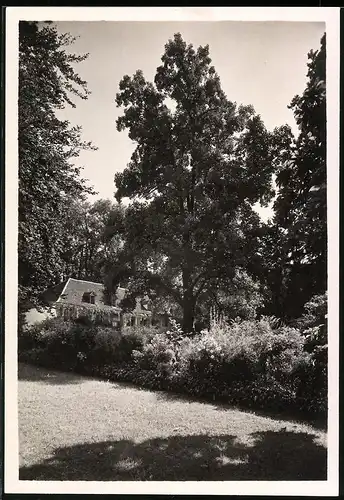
[74,427]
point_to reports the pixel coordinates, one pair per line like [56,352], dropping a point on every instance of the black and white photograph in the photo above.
[173,210]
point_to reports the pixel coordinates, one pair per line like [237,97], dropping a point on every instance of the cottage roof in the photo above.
[74,289]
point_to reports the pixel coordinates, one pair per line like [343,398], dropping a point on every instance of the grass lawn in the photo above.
[78,428]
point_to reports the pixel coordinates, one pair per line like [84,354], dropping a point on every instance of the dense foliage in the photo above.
[249,363]
[86,250]
[47,146]
[296,242]
[199,166]
[70,345]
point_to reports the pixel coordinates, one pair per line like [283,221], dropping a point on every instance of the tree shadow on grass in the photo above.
[275,456]
[33,373]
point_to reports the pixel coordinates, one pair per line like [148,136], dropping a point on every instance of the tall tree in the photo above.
[300,207]
[47,146]
[198,167]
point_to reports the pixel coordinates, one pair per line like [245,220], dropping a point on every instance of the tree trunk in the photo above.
[188,316]
[189,300]
[188,304]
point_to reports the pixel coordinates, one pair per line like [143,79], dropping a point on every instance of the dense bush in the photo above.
[58,343]
[257,364]
[312,389]
[315,313]
[80,344]
[145,333]
[246,362]
[73,345]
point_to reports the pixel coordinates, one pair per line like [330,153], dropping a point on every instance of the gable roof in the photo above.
[74,289]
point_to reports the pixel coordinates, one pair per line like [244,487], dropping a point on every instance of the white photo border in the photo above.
[331,16]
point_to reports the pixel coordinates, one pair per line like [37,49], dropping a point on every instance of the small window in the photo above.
[89,297]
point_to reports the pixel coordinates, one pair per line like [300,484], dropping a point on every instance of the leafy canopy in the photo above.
[298,236]
[199,165]
[47,147]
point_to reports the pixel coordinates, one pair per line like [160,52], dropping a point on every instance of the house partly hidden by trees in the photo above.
[75,298]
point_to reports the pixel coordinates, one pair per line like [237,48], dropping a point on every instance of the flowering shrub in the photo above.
[246,362]
[160,351]
[245,349]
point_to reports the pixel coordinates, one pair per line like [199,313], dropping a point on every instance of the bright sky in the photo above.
[263,64]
